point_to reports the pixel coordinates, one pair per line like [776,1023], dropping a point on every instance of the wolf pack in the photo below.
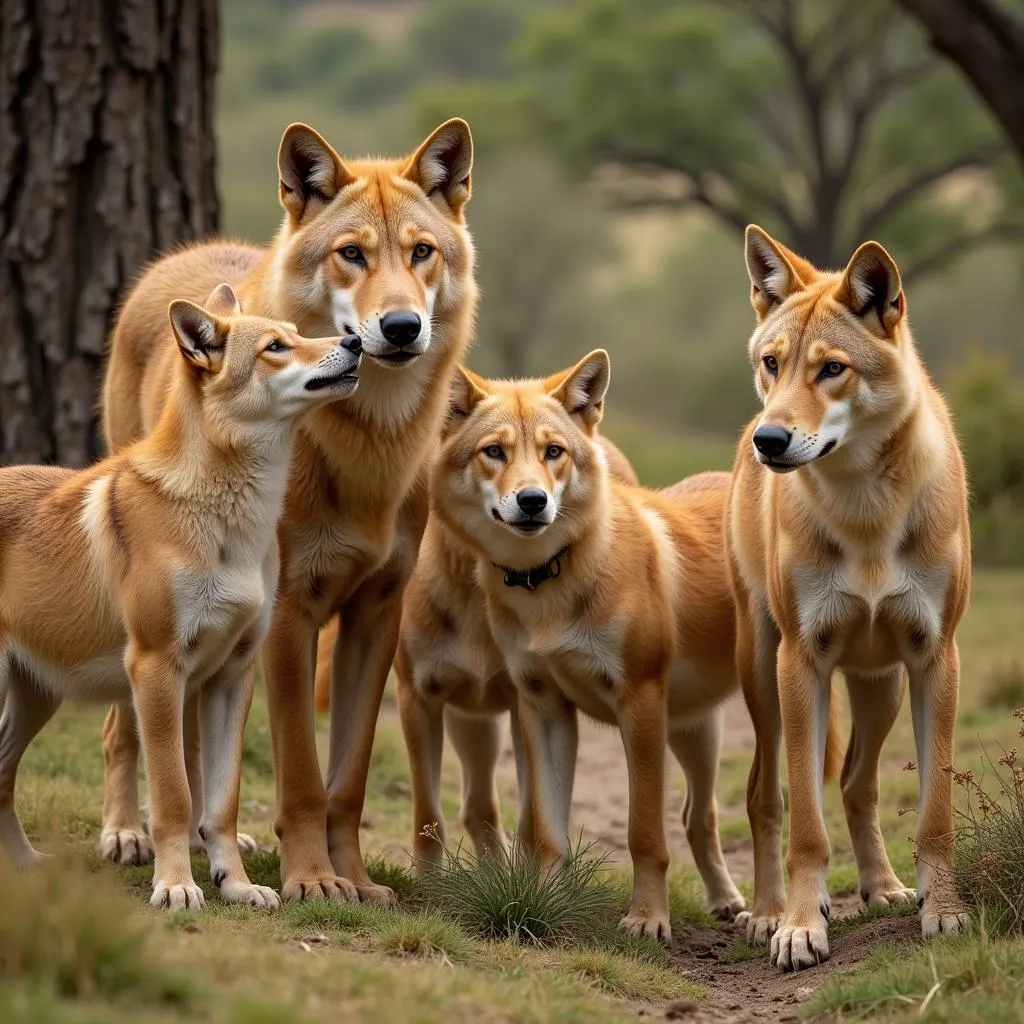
[304,475]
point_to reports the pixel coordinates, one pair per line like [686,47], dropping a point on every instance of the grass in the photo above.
[507,897]
[79,944]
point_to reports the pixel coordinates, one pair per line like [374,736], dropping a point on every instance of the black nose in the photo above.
[400,328]
[352,343]
[771,441]
[531,500]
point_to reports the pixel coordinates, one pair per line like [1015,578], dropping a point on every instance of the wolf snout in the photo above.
[352,343]
[772,441]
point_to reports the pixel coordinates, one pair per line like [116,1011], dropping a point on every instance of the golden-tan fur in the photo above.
[151,575]
[451,679]
[853,555]
[360,241]
[635,629]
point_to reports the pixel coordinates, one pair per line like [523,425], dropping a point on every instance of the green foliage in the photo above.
[990,840]
[538,241]
[988,406]
[507,897]
[825,121]
[466,38]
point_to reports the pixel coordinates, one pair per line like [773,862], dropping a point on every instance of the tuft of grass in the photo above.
[1004,686]
[424,936]
[631,977]
[507,897]
[990,840]
[343,917]
[959,978]
[65,931]
[398,878]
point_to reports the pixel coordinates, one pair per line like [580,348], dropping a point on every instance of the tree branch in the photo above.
[956,247]
[987,42]
[983,156]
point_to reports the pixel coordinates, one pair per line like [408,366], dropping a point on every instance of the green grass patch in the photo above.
[631,977]
[65,930]
[507,897]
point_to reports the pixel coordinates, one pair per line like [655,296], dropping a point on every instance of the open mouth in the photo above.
[338,380]
[824,451]
[396,358]
[526,526]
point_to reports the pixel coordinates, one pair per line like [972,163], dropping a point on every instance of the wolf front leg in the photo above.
[306,872]
[223,709]
[158,689]
[642,721]
[548,737]
[804,693]
[934,695]
[363,656]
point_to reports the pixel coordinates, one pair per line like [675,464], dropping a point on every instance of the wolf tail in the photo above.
[834,737]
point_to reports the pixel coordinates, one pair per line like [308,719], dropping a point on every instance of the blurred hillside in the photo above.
[568,258]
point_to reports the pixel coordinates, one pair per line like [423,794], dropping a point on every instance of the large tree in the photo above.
[828,121]
[107,156]
[986,39]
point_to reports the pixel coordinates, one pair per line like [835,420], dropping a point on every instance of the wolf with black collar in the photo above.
[603,597]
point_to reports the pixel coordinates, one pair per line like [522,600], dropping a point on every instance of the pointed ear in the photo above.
[872,289]
[223,301]
[443,164]
[773,278]
[201,336]
[466,391]
[311,172]
[582,389]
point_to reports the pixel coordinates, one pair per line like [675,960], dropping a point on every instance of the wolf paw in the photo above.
[177,897]
[330,888]
[129,846]
[759,927]
[261,897]
[647,926]
[795,947]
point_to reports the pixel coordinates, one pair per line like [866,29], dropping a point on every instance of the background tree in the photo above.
[107,155]
[824,120]
[987,40]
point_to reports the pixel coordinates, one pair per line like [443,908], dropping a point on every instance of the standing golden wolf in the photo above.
[850,549]
[152,575]
[602,597]
[379,249]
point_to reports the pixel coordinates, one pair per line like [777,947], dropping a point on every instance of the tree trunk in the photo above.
[987,41]
[107,157]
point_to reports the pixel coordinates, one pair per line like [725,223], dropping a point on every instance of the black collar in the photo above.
[531,579]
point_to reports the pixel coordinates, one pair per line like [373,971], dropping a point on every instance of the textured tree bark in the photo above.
[107,156]
[987,41]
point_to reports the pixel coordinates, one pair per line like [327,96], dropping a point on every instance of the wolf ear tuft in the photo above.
[311,172]
[223,301]
[773,277]
[582,389]
[442,166]
[467,390]
[872,289]
[201,335]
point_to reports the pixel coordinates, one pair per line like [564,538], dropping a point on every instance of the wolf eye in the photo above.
[554,451]
[421,252]
[352,253]
[495,451]
[771,364]
[832,369]
[276,345]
